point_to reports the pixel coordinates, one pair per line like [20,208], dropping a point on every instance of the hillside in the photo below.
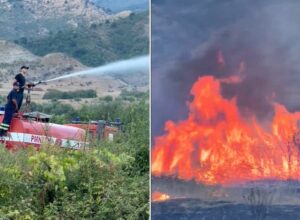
[13,56]
[81,29]
[60,37]
[97,43]
[11,53]
[37,18]
[52,65]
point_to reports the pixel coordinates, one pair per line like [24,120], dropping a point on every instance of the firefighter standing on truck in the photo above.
[11,107]
[20,78]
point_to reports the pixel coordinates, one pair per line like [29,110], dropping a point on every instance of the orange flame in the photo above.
[159,197]
[217,145]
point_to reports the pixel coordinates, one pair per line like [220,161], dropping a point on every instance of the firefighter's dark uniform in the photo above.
[21,80]
[10,109]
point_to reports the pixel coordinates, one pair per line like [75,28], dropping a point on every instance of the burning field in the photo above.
[226,110]
[242,167]
[217,145]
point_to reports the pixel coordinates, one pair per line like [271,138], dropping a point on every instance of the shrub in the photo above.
[55,94]
[108,98]
[56,183]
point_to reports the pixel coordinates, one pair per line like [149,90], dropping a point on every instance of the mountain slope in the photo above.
[52,65]
[13,56]
[35,18]
[99,43]
[11,53]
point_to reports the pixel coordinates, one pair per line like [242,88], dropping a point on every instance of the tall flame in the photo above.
[217,145]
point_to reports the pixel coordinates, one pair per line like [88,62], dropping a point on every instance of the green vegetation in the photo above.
[98,43]
[132,96]
[107,98]
[110,110]
[135,94]
[55,94]
[108,181]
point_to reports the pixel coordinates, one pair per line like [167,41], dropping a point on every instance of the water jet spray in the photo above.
[132,65]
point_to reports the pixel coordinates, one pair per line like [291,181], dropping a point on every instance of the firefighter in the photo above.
[20,78]
[11,107]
